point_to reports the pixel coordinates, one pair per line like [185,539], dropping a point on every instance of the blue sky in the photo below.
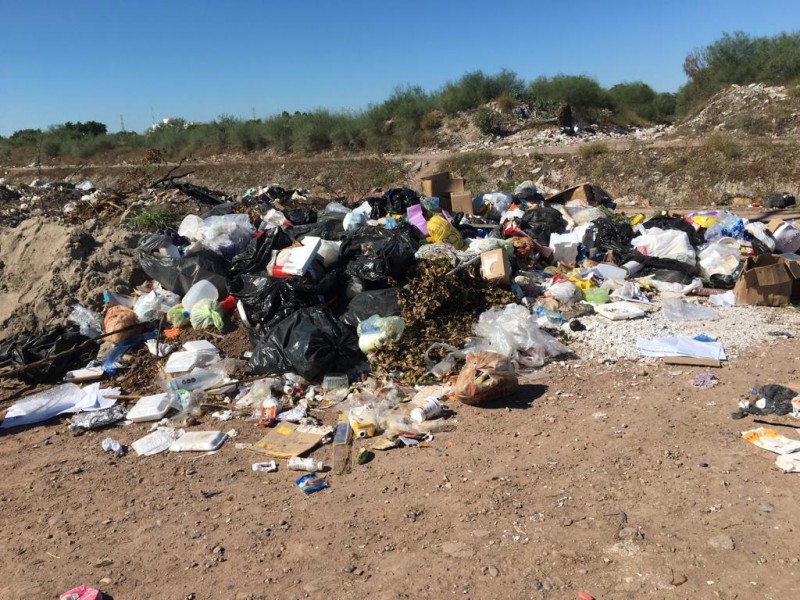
[91,59]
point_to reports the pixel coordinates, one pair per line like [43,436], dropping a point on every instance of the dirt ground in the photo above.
[620,480]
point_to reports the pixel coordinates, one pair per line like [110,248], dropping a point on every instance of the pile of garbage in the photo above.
[378,319]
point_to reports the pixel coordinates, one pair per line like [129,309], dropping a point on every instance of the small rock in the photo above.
[457,550]
[349,568]
[567,522]
[77,471]
[766,508]
[630,533]
[104,562]
[537,585]
[191,471]
[722,541]
[702,464]
[106,581]
[494,571]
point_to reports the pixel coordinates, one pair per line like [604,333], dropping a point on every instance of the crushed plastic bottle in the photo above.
[111,445]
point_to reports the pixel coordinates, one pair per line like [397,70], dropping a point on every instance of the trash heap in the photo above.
[378,319]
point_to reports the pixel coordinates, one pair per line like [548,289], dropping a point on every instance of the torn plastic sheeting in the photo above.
[309,342]
[119,350]
[675,309]
[65,398]
[178,275]
[24,349]
[659,347]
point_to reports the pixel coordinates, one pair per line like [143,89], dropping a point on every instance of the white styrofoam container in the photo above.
[199,441]
[149,408]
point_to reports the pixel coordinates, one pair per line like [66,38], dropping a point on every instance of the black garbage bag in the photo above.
[663,269]
[696,238]
[267,300]
[302,216]
[309,342]
[784,200]
[328,226]
[179,274]
[540,222]
[777,401]
[394,201]
[375,255]
[719,281]
[26,348]
[613,235]
[256,255]
[220,210]
[373,302]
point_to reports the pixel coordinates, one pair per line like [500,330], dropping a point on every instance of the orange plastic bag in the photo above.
[486,377]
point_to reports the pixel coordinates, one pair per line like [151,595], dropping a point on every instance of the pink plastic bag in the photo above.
[82,592]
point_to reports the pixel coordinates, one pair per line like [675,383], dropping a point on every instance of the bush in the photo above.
[586,97]
[153,218]
[476,88]
[487,121]
[592,149]
[725,145]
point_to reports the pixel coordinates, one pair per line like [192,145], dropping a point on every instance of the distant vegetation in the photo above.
[739,58]
[410,117]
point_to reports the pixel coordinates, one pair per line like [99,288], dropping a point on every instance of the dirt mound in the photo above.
[754,109]
[46,267]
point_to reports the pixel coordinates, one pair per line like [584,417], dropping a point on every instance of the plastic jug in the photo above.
[202,290]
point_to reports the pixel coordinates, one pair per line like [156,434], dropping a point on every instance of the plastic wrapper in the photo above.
[565,292]
[96,419]
[442,232]
[720,257]
[121,348]
[177,316]
[676,309]
[309,342]
[376,331]
[154,304]
[513,332]
[727,225]
[206,314]
[225,235]
[88,321]
[497,203]
[486,376]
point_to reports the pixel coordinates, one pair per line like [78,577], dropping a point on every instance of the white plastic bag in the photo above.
[666,243]
[87,320]
[513,332]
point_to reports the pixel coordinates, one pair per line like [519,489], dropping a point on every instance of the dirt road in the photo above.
[621,480]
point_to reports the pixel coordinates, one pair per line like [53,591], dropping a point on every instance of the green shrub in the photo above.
[725,145]
[584,95]
[153,218]
[592,149]
[487,121]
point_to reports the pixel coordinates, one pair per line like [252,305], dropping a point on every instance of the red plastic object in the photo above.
[585,596]
[228,304]
[82,592]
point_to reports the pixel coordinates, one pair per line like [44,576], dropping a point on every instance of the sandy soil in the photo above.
[621,480]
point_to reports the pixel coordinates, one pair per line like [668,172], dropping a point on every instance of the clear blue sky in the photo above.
[80,60]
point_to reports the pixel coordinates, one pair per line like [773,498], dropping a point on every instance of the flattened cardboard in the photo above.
[289,439]
[591,194]
[768,280]
[495,266]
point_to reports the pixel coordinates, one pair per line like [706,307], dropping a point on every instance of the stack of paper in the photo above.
[679,346]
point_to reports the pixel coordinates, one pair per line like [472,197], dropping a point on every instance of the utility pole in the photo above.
[122,124]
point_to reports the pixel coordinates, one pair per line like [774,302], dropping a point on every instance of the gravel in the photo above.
[738,328]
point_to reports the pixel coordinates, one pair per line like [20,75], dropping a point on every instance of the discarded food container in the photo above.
[97,418]
[295,463]
[426,409]
[199,379]
[149,408]
[619,311]
[155,442]
[334,382]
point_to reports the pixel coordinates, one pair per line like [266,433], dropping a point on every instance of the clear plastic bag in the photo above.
[226,234]
[676,309]
[87,320]
[376,331]
[513,332]
[155,303]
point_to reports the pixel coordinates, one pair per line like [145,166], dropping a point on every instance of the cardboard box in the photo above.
[461,202]
[495,266]
[592,195]
[442,185]
[769,280]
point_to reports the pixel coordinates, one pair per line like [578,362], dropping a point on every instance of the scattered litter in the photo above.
[311,483]
[769,439]
[112,445]
[265,467]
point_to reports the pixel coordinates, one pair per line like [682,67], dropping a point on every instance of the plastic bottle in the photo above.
[295,463]
[265,467]
[199,379]
[268,411]
[426,409]
[202,290]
